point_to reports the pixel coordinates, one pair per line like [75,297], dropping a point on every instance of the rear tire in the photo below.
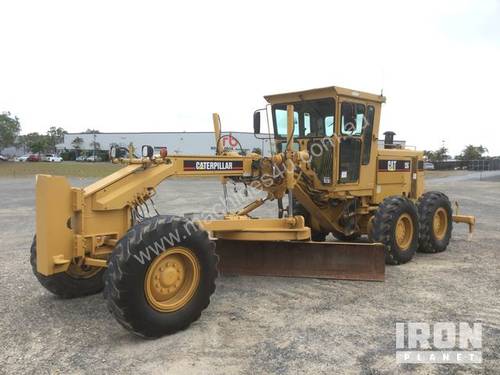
[435,221]
[395,224]
[76,282]
[153,293]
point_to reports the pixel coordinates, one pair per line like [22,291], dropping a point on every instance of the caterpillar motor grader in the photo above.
[159,272]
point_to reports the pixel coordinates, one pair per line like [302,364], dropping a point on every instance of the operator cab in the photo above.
[335,125]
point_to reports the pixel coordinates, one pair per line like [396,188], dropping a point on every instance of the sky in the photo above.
[167,65]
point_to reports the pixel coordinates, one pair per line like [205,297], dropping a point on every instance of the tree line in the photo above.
[470,152]
[35,142]
[10,129]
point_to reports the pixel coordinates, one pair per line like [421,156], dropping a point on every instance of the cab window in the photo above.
[312,118]
[352,119]
[307,124]
[367,134]
[329,126]
[357,121]
[281,122]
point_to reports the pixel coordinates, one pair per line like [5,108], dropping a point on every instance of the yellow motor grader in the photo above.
[158,271]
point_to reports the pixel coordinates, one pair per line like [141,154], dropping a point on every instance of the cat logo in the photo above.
[394,165]
[391,165]
[213,165]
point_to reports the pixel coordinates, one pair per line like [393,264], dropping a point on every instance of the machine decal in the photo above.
[394,165]
[213,165]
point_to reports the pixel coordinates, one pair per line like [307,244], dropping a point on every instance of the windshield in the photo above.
[312,118]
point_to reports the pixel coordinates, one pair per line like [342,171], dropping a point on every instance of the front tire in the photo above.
[160,276]
[435,220]
[77,281]
[395,224]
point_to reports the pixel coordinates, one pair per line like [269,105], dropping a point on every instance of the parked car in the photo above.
[93,158]
[428,166]
[22,158]
[3,158]
[52,158]
[81,158]
[33,157]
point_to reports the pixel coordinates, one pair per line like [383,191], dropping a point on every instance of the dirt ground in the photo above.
[258,324]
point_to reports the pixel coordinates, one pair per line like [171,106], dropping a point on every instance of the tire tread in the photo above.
[384,221]
[115,278]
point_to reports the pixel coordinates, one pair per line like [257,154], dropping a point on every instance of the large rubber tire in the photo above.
[66,285]
[428,205]
[298,209]
[385,224]
[125,277]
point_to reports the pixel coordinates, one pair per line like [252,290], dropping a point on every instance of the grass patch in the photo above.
[66,168]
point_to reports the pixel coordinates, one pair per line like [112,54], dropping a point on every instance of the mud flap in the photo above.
[327,260]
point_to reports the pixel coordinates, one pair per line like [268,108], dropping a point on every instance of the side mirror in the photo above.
[256,122]
[112,152]
[147,151]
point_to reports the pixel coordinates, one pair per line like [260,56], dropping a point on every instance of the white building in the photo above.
[186,143]
[200,143]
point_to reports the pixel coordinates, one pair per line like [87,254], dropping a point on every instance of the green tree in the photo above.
[37,143]
[440,154]
[55,136]
[92,131]
[471,152]
[429,154]
[95,145]
[9,129]
[77,144]
[21,143]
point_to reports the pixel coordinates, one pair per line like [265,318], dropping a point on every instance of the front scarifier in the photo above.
[158,272]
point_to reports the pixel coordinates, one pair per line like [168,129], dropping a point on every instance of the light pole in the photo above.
[94,146]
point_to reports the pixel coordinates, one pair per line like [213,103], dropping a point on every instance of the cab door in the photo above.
[351,122]
[319,144]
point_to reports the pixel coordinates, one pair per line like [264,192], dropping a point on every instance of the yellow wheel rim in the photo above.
[172,279]
[404,232]
[440,223]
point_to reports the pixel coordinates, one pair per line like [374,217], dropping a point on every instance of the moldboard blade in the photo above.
[328,260]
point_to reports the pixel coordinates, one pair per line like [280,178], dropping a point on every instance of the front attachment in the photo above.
[54,238]
[328,260]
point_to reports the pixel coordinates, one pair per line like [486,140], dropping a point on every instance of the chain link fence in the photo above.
[492,164]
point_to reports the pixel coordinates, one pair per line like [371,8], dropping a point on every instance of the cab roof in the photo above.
[323,92]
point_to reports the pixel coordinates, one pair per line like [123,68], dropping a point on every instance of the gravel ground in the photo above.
[257,324]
